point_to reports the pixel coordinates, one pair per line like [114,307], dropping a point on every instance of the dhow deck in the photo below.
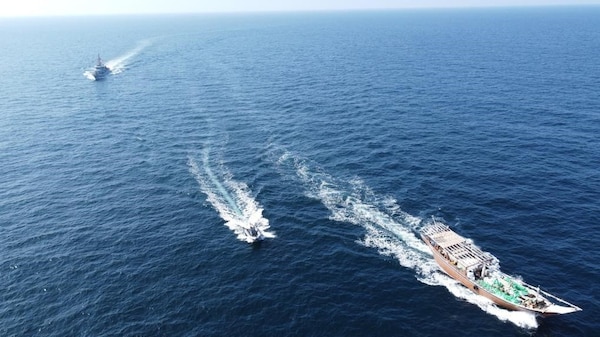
[457,247]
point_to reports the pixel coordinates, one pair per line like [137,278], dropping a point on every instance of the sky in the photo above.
[10,8]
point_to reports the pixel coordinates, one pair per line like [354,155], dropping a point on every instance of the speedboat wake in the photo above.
[232,200]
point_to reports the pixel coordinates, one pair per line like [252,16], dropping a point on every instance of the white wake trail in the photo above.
[231,199]
[388,229]
[119,64]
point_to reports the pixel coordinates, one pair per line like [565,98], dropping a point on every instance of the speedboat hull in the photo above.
[253,234]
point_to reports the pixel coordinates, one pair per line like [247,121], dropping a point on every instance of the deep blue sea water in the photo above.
[343,132]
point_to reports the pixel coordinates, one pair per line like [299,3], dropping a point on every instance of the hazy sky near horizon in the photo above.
[103,7]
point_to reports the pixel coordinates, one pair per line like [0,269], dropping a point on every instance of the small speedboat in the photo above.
[100,70]
[480,272]
[253,233]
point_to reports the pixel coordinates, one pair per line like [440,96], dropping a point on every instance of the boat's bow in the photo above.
[100,70]
[555,309]
[253,233]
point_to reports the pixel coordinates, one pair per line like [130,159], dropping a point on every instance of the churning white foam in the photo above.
[231,199]
[390,230]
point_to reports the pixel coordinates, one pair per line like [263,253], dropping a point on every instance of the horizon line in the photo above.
[316,10]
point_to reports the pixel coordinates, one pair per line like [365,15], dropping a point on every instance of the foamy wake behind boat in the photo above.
[100,70]
[480,272]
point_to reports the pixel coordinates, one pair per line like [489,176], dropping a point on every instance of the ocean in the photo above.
[341,133]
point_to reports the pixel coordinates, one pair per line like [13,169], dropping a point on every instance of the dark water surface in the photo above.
[121,201]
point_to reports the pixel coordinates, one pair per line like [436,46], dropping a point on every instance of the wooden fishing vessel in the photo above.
[480,272]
